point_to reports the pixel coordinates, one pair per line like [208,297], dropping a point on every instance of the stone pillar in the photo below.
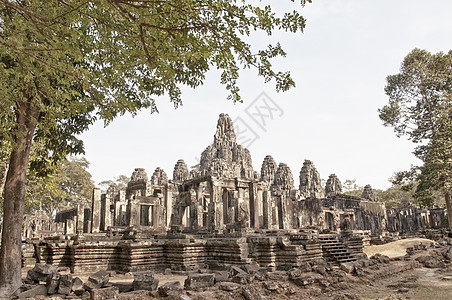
[134,213]
[219,221]
[80,219]
[109,216]
[103,210]
[95,211]
[168,206]
[266,209]
[86,220]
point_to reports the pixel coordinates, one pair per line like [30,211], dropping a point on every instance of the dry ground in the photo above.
[397,248]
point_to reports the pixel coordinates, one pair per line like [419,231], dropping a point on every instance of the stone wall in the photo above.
[188,253]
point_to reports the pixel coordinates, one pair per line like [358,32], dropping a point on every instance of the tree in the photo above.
[70,184]
[351,188]
[120,182]
[65,64]
[394,195]
[420,107]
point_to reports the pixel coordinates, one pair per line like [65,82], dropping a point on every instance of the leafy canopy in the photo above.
[68,185]
[79,61]
[420,107]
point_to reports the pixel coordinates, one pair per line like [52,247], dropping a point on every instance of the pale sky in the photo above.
[339,65]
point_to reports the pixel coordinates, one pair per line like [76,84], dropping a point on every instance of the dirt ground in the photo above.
[397,248]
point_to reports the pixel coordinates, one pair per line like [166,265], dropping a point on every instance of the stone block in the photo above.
[89,286]
[229,286]
[307,279]
[52,283]
[167,271]
[195,281]
[144,281]
[41,272]
[124,286]
[250,269]
[100,278]
[65,285]
[77,286]
[277,275]
[348,267]
[221,276]
[39,290]
[105,293]
[45,269]
[170,288]
[234,270]
[270,285]
[242,278]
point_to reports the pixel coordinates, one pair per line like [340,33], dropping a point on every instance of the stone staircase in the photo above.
[334,250]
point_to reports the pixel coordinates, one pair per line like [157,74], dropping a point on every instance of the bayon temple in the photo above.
[221,213]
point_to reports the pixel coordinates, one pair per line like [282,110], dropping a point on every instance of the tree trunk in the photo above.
[14,200]
[448,208]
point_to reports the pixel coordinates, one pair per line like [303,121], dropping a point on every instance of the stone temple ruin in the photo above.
[220,214]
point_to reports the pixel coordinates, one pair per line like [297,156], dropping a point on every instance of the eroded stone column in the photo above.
[95,211]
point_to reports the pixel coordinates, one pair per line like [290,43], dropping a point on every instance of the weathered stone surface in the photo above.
[252,293]
[159,177]
[52,283]
[229,286]
[299,271]
[221,276]
[250,269]
[347,267]
[310,181]
[97,280]
[333,186]
[368,193]
[77,286]
[100,277]
[195,281]
[380,258]
[234,270]
[307,279]
[170,288]
[180,172]
[65,285]
[431,261]
[242,278]
[39,290]
[144,281]
[268,170]
[90,286]
[41,272]
[105,293]
[283,179]
[226,158]
[139,175]
[271,285]
[277,275]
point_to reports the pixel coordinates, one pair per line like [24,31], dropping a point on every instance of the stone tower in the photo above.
[180,172]
[368,193]
[268,170]
[225,157]
[159,177]
[310,183]
[333,186]
[283,179]
[138,183]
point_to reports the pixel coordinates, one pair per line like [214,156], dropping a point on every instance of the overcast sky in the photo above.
[339,64]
